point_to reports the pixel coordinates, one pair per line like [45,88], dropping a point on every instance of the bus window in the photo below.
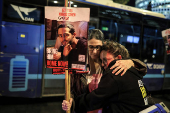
[129,36]
[51,29]
[109,28]
[94,23]
[155,22]
[153,46]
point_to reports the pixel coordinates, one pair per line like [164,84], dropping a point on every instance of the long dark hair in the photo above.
[97,34]
[78,84]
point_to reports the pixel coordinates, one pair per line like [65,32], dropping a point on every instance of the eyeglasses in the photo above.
[64,35]
[91,48]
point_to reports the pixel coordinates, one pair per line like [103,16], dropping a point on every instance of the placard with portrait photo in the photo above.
[66,31]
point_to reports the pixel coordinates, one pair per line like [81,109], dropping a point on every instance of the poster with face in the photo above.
[66,38]
[166,38]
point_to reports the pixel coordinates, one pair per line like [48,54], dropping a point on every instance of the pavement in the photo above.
[31,105]
[53,104]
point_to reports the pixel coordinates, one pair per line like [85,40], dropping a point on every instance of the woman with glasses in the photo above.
[95,42]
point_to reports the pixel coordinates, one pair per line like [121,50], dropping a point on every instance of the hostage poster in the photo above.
[66,31]
[166,38]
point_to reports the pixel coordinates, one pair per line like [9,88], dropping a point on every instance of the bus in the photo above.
[139,31]
[22,45]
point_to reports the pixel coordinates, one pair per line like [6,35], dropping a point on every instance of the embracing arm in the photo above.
[124,65]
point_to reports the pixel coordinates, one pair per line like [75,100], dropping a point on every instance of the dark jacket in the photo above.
[140,66]
[115,94]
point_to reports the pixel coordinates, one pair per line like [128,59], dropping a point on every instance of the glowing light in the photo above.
[70,2]
[75,5]
[153,56]
[141,4]
[55,2]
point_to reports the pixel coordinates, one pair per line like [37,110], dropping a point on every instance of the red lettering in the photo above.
[66,65]
[48,62]
[70,10]
[67,10]
[61,71]
[59,64]
[63,10]
[71,14]
[62,14]
[58,71]
[62,63]
[53,63]
[167,32]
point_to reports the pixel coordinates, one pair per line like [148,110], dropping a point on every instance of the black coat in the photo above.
[115,94]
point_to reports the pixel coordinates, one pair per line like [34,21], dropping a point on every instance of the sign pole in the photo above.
[67,76]
[66,3]
[67,87]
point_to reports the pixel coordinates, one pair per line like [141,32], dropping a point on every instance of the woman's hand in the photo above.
[67,105]
[122,66]
[95,79]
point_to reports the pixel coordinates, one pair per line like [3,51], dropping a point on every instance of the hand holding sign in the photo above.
[66,105]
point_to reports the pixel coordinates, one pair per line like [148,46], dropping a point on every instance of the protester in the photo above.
[95,43]
[115,94]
